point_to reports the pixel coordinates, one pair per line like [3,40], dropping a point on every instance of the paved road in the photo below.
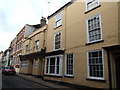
[11,81]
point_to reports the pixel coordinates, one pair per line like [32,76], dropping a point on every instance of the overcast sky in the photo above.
[14,14]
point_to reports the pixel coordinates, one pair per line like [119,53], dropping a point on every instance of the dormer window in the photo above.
[58,20]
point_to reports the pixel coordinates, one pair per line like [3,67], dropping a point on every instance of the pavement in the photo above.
[42,82]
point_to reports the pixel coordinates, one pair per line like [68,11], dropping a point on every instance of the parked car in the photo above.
[8,70]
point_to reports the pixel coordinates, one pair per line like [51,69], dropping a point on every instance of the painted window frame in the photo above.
[59,32]
[88,8]
[88,66]
[37,46]
[88,39]
[58,20]
[24,64]
[60,65]
[36,63]
[66,65]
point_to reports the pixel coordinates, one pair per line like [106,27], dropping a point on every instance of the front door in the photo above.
[117,64]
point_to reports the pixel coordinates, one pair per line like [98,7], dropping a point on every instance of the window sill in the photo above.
[92,9]
[59,76]
[69,76]
[94,42]
[57,27]
[100,80]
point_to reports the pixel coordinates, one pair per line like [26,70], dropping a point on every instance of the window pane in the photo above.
[58,19]
[94,30]
[69,64]
[52,69]
[91,4]
[57,40]
[52,61]
[57,70]
[95,64]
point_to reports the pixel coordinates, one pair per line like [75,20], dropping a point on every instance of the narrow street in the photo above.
[11,81]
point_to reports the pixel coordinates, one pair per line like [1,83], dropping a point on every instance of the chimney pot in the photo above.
[43,21]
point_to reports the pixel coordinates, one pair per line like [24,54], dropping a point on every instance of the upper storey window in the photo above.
[94,29]
[90,4]
[26,47]
[36,45]
[58,20]
[57,40]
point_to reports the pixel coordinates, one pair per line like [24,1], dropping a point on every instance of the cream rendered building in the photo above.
[82,44]
[34,50]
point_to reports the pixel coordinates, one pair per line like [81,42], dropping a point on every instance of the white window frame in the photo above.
[66,65]
[37,42]
[36,63]
[60,68]
[60,40]
[24,64]
[87,9]
[88,39]
[58,18]
[88,74]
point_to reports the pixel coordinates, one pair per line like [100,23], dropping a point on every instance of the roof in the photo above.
[21,31]
[37,26]
[66,5]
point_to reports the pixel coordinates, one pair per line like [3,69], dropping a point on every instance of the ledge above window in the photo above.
[92,9]
[100,80]
[89,43]
[57,27]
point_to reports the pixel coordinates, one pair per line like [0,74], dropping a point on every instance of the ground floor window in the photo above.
[69,64]
[95,64]
[36,63]
[24,63]
[53,65]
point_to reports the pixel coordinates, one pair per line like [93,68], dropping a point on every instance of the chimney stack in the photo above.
[43,21]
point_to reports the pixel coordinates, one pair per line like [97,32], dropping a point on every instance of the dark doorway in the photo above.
[117,64]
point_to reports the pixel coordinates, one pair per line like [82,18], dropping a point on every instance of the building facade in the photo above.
[13,51]
[80,35]
[34,49]
[16,49]
[80,45]
[19,42]
[1,58]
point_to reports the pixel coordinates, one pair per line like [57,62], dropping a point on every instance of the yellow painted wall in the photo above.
[36,35]
[74,39]
[119,21]
[37,70]
[27,70]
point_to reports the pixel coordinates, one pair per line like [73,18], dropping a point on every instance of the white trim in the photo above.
[92,7]
[54,40]
[88,41]
[35,63]
[59,14]
[37,42]
[27,64]
[60,65]
[66,64]
[88,74]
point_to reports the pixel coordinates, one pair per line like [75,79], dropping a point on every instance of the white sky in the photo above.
[14,14]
